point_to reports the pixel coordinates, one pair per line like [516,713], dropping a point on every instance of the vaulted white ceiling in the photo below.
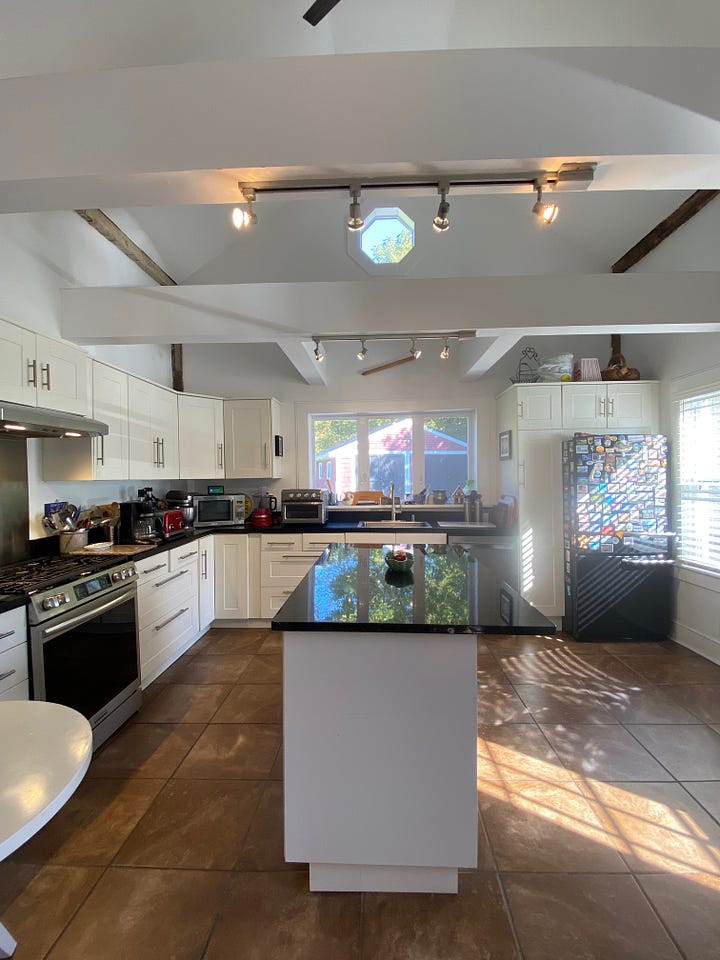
[155,111]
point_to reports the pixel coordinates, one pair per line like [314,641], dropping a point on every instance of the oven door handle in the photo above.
[90,615]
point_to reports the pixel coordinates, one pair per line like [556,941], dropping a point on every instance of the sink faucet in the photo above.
[392,501]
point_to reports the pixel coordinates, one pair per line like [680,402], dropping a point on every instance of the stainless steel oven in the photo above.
[84,647]
[305,505]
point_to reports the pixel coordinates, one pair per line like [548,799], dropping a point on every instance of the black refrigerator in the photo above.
[618,552]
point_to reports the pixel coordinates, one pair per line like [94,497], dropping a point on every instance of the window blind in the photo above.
[698,488]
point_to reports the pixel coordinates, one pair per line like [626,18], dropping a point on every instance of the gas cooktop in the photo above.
[29,576]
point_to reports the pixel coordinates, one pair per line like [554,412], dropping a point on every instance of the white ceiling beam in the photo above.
[301,355]
[481,354]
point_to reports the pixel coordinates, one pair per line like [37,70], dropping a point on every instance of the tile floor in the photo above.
[599,810]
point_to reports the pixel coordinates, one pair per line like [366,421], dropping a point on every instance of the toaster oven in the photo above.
[304,506]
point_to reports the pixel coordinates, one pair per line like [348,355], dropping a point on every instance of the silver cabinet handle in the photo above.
[101,450]
[185,556]
[44,369]
[161,583]
[265,460]
[8,673]
[204,565]
[297,556]
[161,626]
[521,480]
[281,543]
[8,634]
[521,409]
[161,451]
[220,454]
[156,444]
[611,404]
[32,373]
[160,566]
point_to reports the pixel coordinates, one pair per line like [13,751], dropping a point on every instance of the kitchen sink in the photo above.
[379,524]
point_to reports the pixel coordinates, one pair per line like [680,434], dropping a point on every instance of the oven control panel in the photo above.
[55,601]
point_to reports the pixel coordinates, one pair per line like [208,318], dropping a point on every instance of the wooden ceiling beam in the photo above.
[686,211]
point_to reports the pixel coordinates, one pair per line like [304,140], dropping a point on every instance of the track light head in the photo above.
[415,352]
[319,355]
[355,221]
[244,218]
[362,353]
[545,212]
[441,221]
[445,352]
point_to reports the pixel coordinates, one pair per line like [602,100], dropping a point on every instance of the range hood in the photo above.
[20,421]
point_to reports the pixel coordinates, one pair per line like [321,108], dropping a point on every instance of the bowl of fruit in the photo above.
[399,560]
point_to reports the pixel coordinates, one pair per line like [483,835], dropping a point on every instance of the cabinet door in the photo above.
[165,427]
[18,370]
[110,405]
[540,520]
[142,444]
[633,406]
[584,406]
[201,440]
[63,374]
[248,439]
[539,406]
[207,581]
[232,594]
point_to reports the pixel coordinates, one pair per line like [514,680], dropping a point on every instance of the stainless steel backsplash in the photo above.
[14,515]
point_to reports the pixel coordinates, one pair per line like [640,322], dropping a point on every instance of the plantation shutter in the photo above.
[699,480]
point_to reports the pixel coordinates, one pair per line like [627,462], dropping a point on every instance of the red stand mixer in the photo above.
[262,515]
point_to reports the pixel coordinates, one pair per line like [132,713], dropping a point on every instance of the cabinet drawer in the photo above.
[13,666]
[271,599]
[21,691]
[182,557]
[285,569]
[151,568]
[13,628]
[164,595]
[318,541]
[158,641]
[282,542]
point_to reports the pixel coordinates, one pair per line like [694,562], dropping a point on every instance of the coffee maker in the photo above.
[138,523]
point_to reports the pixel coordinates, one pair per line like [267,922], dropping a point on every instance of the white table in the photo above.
[45,750]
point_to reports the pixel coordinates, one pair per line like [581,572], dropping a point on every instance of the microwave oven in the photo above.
[220,510]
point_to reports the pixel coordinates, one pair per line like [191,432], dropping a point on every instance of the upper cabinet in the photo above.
[110,406]
[42,372]
[621,406]
[201,436]
[250,430]
[153,431]
[539,406]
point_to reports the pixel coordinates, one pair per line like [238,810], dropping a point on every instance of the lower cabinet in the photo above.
[167,608]
[391,537]
[232,576]
[284,561]
[206,581]
[14,673]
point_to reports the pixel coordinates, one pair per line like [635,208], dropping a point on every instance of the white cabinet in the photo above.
[110,406]
[153,431]
[42,372]
[14,683]
[250,430]
[201,436]
[391,537]
[620,406]
[206,547]
[539,406]
[284,560]
[232,577]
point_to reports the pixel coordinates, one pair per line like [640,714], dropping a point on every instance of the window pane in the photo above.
[390,449]
[699,480]
[335,454]
[445,441]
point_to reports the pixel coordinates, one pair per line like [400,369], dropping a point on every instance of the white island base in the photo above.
[380,758]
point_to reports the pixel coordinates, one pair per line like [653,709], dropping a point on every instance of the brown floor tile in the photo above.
[603,752]
[252,703]
[564,704]
[171,674]
[229,642]
[588,917]
[510,645]
[144,913]
[152,750]
[264,847]
[701,699]
[93,824]
[14,877]
[278,768]
[53,894]
[690,908]
[198,824]
[681,669]
[272,642]
[185,703]
[689,752]
[271,915]
[264,669]
[517,751]
[638,648]
[218,668]
[468,926]
[707,794]
[540,826]
[658,826]
[233,751]
[498,703]
[645,704]
[488,668]
[567,668]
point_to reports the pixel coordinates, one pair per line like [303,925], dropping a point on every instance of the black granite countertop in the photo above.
[450,590]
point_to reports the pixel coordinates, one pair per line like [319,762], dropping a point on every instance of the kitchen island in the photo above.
[380,717]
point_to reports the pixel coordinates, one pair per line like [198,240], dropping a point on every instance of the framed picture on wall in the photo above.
[505,444]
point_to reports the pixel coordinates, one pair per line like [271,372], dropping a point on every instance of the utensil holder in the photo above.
[72,540]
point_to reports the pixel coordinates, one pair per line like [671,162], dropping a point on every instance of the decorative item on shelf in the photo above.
[399,560]
[527,368]
[556,369]
[617,368]
[505,445]
[587,370]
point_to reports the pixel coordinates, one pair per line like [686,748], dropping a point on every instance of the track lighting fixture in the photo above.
[415,352]
[445,352]
[355,221]
[244,218]
[441,221]
[319,355]
[362,353]
[545,212]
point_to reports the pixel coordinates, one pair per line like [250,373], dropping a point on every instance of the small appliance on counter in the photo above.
[137,522]
[262,515]
[221,509]
[180,500]
[304,505]
[170,523]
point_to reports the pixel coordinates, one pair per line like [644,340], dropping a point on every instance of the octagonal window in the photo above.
[388,235]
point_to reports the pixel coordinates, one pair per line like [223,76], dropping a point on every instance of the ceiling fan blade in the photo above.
[319,10]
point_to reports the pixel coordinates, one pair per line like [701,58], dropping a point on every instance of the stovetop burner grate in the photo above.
[27,576]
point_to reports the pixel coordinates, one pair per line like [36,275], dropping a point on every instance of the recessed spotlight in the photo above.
[445,352]
[243,218]
[441,221]
[13,426]
[545,212]
[362,353]
[72,433]
[355,221]
[319,355]
[415,352]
